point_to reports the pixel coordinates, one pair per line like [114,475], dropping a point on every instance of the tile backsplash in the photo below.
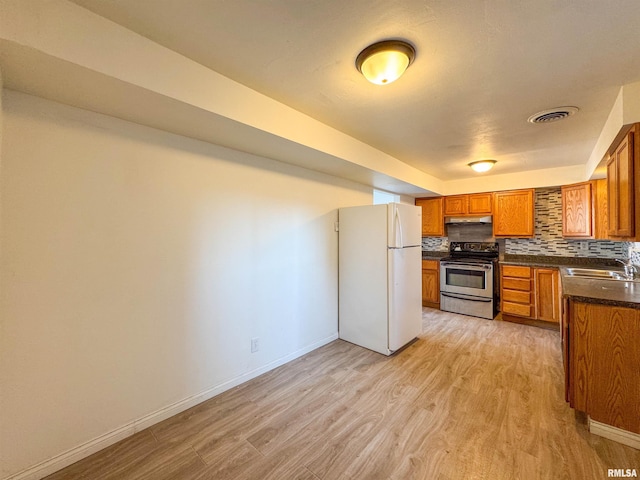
[548,236]
[435,244]
[634,253]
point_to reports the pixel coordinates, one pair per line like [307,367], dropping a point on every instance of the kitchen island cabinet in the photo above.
[602,360]
[600,338]
[432,216]
[513,213]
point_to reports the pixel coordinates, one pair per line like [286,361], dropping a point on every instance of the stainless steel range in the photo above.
[469,279]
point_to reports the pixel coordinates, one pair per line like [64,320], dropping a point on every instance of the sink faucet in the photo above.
[630,270]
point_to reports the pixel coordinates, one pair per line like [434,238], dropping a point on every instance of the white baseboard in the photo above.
[616,434]
[65,459]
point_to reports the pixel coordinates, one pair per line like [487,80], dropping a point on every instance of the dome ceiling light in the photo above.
[384,62]
[482,165]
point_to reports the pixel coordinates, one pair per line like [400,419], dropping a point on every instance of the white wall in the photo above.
[135,267]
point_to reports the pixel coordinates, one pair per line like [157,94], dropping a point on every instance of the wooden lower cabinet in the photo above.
[431,283]
[547,294]
[516,291]
[602,362]
[532,293]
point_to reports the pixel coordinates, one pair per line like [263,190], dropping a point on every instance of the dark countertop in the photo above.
[549,261]
[608,292]
[432,255]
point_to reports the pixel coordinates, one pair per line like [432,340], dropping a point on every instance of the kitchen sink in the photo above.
[598,274]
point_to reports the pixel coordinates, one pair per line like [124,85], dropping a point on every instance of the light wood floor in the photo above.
[471,399]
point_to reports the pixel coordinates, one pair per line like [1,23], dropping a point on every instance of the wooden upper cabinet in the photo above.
[513,212]
[432,216]
[456,205]
[578,219]
[472,204]
[620,185]
[601,210]
[480,204]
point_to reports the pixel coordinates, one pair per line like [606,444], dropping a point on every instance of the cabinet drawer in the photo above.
[523,284]
[430,264]
[516,296]
[516,309]
[514,271]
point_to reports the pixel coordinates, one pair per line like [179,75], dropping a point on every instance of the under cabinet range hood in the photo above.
[468,220]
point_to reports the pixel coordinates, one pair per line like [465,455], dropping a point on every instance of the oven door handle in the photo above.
[464,297]
[469,266]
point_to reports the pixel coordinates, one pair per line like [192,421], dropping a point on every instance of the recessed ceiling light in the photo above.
[553,114]
[482,165]
[384,62]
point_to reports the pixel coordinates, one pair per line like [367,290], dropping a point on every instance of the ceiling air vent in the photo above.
[552,115]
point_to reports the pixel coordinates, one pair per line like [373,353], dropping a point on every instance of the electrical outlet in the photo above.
[255,344]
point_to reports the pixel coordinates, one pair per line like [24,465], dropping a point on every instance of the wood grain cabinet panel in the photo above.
[456,205]
[432,216]
[547,294]
[521,284]
[564,335]
[513,212]
[585,210]
[620,185]
[517,309]
[480,204]
[601,210]
[603,360]
[471,204]
[431,283]
[578,219]
[517,296]
[516,271]
[530,292]
[515,291]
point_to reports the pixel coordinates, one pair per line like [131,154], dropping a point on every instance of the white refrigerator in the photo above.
[380,275]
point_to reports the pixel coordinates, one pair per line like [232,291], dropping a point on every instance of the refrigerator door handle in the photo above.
[398,228]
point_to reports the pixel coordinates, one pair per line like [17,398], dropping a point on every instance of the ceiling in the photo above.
[482,68]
